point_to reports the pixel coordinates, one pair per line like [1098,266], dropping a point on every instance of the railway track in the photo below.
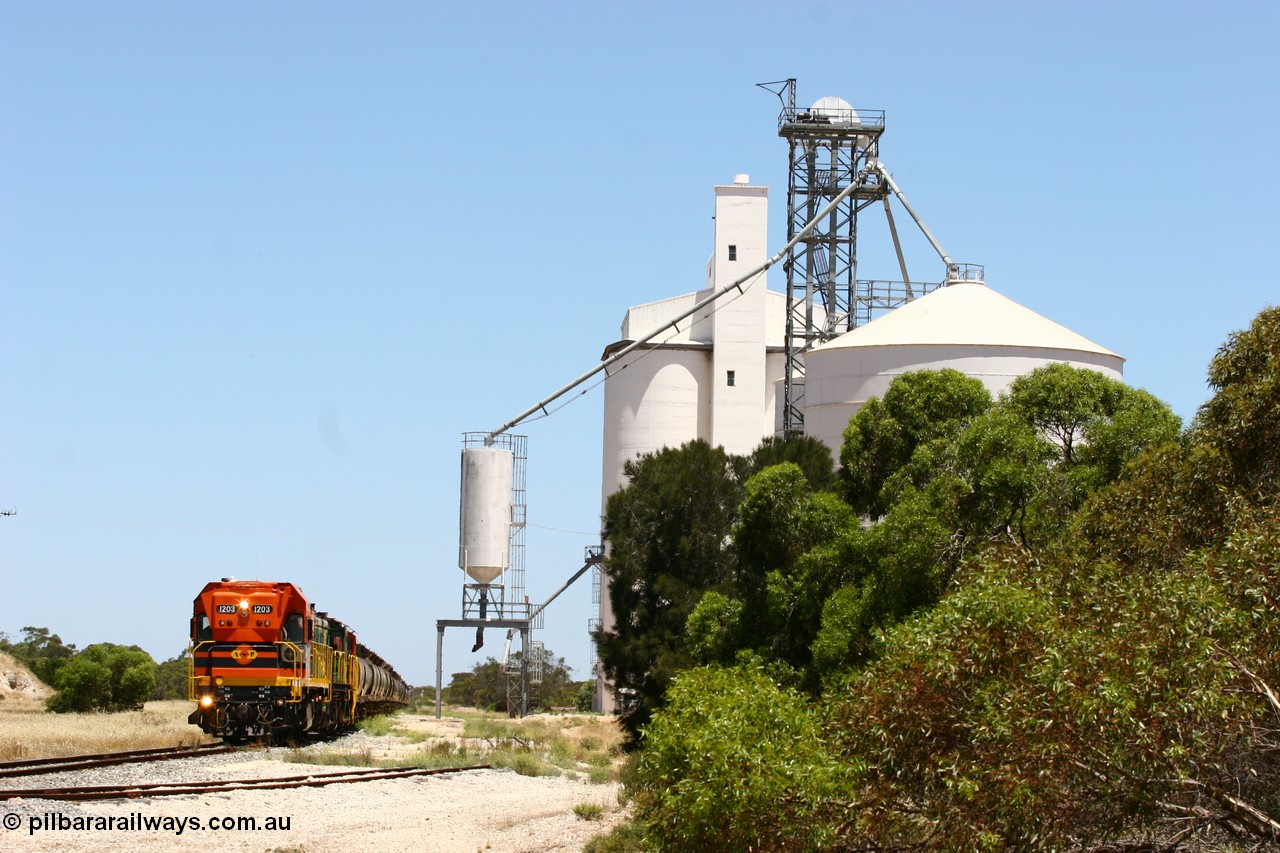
[311,780]
[40,766]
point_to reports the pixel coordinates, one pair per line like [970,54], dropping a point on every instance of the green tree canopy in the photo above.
[1179,496]
[485,686]
[804,586]
[1020,469]
[918,407]
[715,629]
[1006,686]
[104,677]
[1098,424]
[1240,422]
[736,763]
[40,651]
[668,532]
[779,519]
[1044,705]
[810,454]
[171,677]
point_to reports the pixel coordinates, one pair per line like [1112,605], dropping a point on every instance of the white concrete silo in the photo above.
[484,516]
[652,404]
[965,326]
[712,376]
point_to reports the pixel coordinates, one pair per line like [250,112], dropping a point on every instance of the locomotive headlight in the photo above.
[206,701]
[244,607]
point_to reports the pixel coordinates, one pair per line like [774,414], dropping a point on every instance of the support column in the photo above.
[439,664]
[524,670]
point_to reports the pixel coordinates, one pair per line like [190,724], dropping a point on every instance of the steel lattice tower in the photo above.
[830,146]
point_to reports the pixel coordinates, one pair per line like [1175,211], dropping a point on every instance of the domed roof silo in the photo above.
[965,326]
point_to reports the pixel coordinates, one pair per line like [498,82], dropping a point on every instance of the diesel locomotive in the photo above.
[265,664]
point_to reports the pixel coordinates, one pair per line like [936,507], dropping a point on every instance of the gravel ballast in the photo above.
[475,810]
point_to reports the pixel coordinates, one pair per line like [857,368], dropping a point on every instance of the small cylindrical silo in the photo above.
[485,517]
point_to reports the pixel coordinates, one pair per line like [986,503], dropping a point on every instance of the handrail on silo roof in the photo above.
[966,272]
[853,119]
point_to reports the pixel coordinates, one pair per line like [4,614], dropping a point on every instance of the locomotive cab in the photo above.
[251,663]
[265,662]
[293,630]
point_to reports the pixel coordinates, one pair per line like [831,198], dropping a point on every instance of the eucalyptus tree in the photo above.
[669,541]
[918,407]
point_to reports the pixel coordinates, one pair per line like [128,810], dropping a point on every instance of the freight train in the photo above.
[266,665]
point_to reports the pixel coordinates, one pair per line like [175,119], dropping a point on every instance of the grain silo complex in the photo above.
[753,363]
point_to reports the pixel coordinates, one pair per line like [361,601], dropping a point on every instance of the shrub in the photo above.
[735,762]
[522,761]
[377,726]
[1054,705]
[105,677]
[589,811]
[623,838]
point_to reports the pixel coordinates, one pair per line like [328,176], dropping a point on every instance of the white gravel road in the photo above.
[472,812]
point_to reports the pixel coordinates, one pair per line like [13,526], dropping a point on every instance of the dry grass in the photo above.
[572,745]
[28,731]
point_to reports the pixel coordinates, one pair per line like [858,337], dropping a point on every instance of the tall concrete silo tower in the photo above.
[712,378]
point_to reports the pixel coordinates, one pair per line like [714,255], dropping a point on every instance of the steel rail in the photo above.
[41,766]
[167,789]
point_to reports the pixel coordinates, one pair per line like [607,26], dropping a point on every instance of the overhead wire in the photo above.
[646,350]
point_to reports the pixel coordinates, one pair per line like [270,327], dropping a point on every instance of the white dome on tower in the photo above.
[835,110]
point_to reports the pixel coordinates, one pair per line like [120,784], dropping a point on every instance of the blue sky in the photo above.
[263,264]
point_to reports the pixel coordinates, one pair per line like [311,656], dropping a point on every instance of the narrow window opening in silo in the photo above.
[731,378]
[733,255]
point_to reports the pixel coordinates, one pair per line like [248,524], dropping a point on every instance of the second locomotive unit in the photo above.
[266,664]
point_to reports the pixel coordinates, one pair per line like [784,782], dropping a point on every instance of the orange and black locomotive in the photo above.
[265,664]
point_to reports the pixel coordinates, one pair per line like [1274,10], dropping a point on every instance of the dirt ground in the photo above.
[475,811]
